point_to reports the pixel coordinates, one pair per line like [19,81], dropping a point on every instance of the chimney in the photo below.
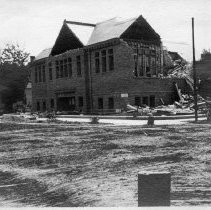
[32,58]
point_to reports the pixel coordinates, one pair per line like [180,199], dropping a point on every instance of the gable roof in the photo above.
[44,54]
[112,28]
[134,28]
[66,40]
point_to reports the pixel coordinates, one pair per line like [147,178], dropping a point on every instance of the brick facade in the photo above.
[101,91]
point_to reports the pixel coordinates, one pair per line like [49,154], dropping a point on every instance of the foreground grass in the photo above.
[97,165]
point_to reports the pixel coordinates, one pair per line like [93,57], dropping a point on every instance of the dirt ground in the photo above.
[80,164]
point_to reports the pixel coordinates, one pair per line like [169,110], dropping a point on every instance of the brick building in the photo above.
[121,63]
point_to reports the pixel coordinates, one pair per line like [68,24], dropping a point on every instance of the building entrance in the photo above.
[66,103]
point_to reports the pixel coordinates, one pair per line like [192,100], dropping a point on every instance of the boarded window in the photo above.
[100,103]
[111,103]
[80,101]
[111,59]
[69,67]
[50,71]
[78,59]
[104,67]
[97,62]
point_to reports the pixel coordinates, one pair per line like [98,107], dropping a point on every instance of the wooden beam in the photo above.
[79,23]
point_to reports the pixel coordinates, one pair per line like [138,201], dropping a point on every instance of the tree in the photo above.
[14,54]
[14,74]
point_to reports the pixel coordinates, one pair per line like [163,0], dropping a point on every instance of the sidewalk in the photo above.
[130,121]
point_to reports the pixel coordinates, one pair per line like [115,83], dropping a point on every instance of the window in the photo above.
[50,71]
[145,100]
[78,59]
[57,69]
[97,62]
[69,64]
[111,103]
[61,69]
[72,101]
[103,54]
[111,59]
[100,103]
[140,66]
[153,66]
[36,75]
[52,103]
[137,101]
[44,105]
[40,74]
[65,68]
[152,101]
[148,73]
[43,74]
[38,106]
[80,101]
[136,65]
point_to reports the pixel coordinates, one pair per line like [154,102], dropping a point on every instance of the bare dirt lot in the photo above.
[81,164]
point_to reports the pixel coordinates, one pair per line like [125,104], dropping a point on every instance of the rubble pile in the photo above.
[184,107]
[18,117]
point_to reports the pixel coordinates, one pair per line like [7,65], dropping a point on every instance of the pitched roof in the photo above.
[44,54]
[112,28]
[66,40]
[133,28]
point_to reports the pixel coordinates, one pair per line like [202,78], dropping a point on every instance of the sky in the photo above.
[35,24]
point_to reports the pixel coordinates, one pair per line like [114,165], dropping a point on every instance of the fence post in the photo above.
[154,188]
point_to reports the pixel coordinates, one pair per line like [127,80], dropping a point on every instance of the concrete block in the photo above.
[154,188]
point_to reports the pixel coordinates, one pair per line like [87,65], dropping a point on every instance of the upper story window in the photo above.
[65,68]
[136,65]
[50,71]
[97,62]
[148,72]
[78,60]
[103,57]
[43,74]
[36,74]
[57,69]
[40,73]
[61,72]
[69,65]
[110,59]
[140,66]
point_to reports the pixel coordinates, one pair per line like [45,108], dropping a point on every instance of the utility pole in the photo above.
[194,74]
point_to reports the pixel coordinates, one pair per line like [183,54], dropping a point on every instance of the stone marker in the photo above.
[151,120]
[154,188]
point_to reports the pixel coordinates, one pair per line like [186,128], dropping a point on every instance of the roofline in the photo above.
[79,23]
